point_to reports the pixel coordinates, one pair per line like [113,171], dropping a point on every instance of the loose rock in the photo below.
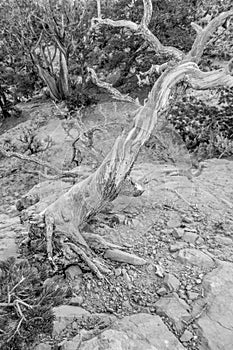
[190,237]
[195,257]
[186,336]
[118,255]
[171,282]
[175,309]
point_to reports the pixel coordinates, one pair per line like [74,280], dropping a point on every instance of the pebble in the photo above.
[171,282]
[188,287]
[223,240]
[118,272]
[177,246]
[200,241]
[174,222]
[73,272]
[186,336]
[76,301]
[187,220]
[192,295]
[190,237]
[198,281]
[162,291]
[178,232]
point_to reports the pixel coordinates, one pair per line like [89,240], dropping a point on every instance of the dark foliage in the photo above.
[207,130]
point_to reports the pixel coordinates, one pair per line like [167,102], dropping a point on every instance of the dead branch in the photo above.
[37,161]
[204,34]
[143,30]
[114,92]
[69,213]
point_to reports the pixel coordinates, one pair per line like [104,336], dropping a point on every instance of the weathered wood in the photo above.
[85,199]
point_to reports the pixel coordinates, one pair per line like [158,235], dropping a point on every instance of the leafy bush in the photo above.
[206,130]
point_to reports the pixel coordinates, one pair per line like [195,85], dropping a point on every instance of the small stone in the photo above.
[162,291]
[186,336]
[73,272]
[171,282]
[195,257]
[174,222]
[177,246]
[120,256]
[198,281]
[187,220]
[190,237]
[76,301]
[118,272]
[188,287]
[200,241]
[192,295]
[223,240]
[178,232]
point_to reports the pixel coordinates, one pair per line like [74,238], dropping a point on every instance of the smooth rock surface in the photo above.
[137,332]
[216,324]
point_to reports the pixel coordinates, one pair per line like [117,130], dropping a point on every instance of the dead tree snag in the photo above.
[67,215]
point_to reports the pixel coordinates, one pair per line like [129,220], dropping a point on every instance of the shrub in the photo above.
[205,129]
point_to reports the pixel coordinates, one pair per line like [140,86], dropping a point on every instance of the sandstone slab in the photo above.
[137,332]
[216,324]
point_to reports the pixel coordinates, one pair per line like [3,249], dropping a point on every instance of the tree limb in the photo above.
[203,35]
[114,92]
[143,30]
[148,8]
[37,161]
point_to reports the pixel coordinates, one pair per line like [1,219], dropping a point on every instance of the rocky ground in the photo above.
[182,226]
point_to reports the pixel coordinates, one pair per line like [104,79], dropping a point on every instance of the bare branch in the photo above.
[98,8]
[203,35]
[120,23]
[196,27]
[148,8]
[37,161]
[209,80]
[114,92]
[144,31]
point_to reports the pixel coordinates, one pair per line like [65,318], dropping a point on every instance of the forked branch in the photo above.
[204,34]
[143,30]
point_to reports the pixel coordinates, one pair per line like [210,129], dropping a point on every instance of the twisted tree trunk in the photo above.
[67,215]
